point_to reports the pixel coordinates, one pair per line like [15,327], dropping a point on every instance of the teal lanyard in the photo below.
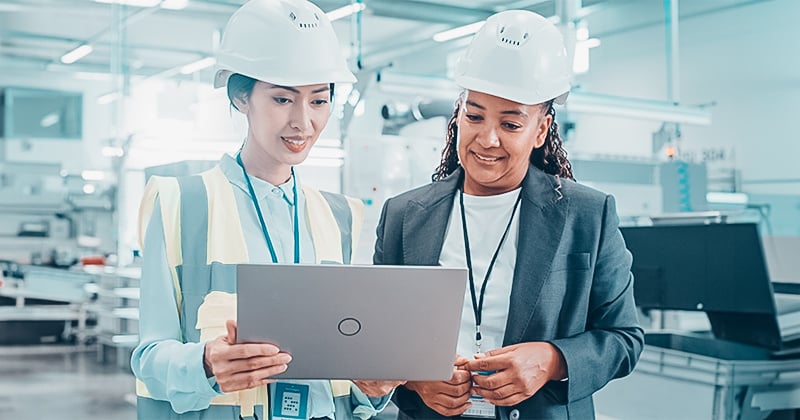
[296,227]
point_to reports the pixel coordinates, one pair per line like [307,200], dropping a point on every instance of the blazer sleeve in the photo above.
[613,340]
[377,256]
[389,241]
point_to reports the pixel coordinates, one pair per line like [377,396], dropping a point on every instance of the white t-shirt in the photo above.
[487,218]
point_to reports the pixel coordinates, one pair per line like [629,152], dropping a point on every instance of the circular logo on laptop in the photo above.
[349,326]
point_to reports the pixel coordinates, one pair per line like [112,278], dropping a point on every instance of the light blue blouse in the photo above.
[172,370]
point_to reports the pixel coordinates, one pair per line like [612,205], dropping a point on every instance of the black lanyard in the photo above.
[296,227]
[477,304]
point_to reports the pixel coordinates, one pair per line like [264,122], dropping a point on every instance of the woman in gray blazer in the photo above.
[549,316]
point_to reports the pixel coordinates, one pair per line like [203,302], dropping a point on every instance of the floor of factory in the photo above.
[68,382]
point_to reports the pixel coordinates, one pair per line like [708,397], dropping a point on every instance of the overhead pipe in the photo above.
[437,88]
[69,40]
[664,111]
[567,13]
[672,50]
[397,115]
[428,12]
[418,110]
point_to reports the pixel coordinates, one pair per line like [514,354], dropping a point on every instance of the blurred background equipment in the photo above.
[744,362]
[667,113]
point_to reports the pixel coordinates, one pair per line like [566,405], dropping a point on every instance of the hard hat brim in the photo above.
[344,76]
[221,78]
[512,93]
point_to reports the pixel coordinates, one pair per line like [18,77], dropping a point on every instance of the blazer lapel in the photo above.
[543,213]
[425,222]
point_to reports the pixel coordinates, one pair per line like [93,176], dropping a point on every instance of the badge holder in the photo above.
[290,401]
[480,409]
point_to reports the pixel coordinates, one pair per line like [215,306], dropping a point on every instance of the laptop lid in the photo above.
[354,322]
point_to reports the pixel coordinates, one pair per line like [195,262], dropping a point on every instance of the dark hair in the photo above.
[241,86]
[550,157]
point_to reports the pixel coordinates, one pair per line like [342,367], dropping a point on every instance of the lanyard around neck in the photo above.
[477,302]
[296,227]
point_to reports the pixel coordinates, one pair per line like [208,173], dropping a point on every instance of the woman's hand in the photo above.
[377,389]
[448,398]
[242,366]
[521,370]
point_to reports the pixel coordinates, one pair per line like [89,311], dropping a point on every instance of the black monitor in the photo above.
[717,268]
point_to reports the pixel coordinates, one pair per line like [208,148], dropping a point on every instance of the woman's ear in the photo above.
[241,105]
[543,131]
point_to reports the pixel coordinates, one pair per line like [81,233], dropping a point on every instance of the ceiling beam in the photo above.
[427,12]
[69,40]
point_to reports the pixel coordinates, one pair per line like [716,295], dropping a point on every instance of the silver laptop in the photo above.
[354,322]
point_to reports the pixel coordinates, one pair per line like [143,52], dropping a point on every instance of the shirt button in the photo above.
[276,191]
[515,414]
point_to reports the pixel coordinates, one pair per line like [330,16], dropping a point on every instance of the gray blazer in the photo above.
[572,284]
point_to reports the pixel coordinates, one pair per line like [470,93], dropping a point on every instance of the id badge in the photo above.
[289,401]
[480,408]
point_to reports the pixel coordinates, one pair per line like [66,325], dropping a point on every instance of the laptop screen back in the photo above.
[354,322]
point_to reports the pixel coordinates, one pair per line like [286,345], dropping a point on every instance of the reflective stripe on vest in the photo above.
[335,224]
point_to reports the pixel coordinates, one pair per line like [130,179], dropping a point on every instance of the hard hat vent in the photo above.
[309,21]
[280,42]
[512,37]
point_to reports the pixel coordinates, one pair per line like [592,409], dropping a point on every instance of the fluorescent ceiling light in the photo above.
[458,32]
[580,60]
[111,151]
[93,175]
[590,43]
[582,33]
[107,98]
[345,11]
[198,65]
[91,76]
[174,4]
[726,198]
[663,111]
[136,3]
[77,54]
[49,120]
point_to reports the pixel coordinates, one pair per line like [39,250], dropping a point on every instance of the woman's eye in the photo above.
[473,117]
[512,126]
[319,102]
[280,100]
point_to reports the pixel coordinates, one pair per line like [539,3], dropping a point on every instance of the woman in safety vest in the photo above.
[280,61]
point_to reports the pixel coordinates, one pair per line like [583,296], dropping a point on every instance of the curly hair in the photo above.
[550,157]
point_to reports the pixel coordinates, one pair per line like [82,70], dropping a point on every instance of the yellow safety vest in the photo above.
[226,245]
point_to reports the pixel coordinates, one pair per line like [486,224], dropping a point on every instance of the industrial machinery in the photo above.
[747,366]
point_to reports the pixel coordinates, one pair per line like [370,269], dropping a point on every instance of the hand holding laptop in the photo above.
[242,366]
[377,389]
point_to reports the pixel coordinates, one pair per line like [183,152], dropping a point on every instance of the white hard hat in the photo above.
[517,55]
[283,42]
